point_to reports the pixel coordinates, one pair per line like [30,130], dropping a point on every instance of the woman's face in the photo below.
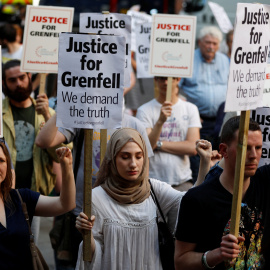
[3,165]
[129,161]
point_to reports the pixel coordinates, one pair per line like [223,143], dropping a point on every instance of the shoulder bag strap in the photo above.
[156,202]
[37,258]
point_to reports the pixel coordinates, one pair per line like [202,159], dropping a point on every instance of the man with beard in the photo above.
[22,117]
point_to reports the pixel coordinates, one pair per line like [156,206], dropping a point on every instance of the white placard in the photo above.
[172,45]
[143,33]
[248,58]
[137,19]
[266,91]
[90,81]
[262,117]
[41,37]
[221,17]
[110,24]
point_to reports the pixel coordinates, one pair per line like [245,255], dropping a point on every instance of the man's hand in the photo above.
[229,246]
[165,111]
[42,106]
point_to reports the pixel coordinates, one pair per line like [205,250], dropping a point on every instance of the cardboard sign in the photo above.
[110,24]
[41,37]
[221,17]
[143,34]
[90,81]
[137,18]
[172,45]
[262,117]
[249,57]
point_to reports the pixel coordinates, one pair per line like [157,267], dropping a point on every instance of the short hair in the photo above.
[8,32]
[232,125]
[211,31]
[8,65]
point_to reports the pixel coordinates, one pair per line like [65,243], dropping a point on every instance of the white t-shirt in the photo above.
[126,235]
[172,169]
[6,56]
[71,133]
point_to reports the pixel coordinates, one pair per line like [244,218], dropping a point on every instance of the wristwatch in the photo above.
[159,144]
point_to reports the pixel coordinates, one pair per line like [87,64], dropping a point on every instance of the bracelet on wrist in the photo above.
[204,261]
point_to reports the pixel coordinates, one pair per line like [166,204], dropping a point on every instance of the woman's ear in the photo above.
[223,150]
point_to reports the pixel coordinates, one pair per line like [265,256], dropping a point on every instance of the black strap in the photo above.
[156,202]
[78,153]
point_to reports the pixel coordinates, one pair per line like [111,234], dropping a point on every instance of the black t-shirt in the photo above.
[205,213]
[24,124]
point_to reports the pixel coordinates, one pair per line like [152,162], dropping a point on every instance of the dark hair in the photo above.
[8,65]
[230,33]
[8,32]
[7,183]
[232,125]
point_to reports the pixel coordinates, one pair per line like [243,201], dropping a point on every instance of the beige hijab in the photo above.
[120,189]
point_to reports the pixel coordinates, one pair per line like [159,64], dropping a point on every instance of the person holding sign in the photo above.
[203,238]
[22,117]
[125,234]
[14,233]
[208,85]
[172,128]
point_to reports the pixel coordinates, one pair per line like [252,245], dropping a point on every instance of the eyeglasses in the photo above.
[165,78]
[2,140]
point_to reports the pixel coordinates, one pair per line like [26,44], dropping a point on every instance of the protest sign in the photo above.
[172,45]
[41,37]
[262,117]
[110,24]
[90,81]
[221,17]
[143,33]
[249,58]
[137,18]
[266,91]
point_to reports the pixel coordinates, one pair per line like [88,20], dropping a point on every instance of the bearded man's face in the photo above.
[17,84]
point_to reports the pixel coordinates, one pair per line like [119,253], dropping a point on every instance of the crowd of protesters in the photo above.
[165,148]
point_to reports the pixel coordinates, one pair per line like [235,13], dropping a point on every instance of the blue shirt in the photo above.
[208,85]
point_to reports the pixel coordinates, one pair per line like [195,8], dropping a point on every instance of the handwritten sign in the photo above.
[90,81]
[249,58]
[110,24]
[172,45]
[41,37]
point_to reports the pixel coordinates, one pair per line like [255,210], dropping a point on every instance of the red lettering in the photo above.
[46,19]
[173,27]
[268,76]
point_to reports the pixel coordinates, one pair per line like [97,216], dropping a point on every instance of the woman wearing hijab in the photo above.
[124,229]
